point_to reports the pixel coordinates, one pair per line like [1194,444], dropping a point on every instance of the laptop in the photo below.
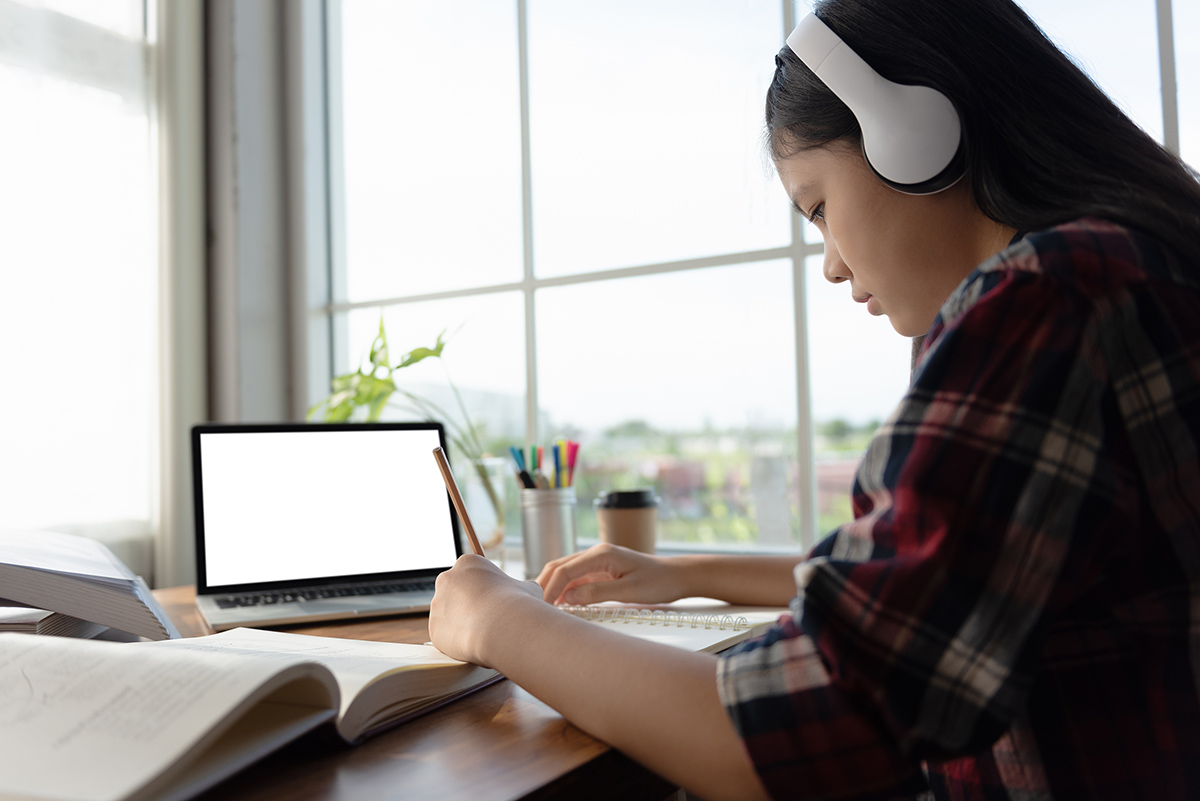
[297,523]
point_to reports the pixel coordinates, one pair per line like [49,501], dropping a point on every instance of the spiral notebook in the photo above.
[695,624]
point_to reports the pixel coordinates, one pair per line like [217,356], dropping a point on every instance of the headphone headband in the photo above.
[911,134]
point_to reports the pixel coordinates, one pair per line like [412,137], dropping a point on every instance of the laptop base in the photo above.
[299,612]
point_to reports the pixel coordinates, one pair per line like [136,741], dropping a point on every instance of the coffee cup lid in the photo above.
[626,499]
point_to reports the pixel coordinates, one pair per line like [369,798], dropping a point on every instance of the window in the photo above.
[1187,56]
[78,199]
[432,147]
[529,183]
[1116,43]
[580,197]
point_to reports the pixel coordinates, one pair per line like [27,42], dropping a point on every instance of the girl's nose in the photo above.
[834,269]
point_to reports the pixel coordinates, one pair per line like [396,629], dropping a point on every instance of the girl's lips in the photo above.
[873,307]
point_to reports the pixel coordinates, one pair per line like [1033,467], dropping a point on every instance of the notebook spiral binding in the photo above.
[658,617]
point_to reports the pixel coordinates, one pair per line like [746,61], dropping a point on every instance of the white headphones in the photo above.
[910,134]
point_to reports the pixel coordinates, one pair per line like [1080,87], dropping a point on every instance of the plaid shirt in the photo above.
[1010,613]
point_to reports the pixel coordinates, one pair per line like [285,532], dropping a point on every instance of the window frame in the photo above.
[317,301]
[529,285]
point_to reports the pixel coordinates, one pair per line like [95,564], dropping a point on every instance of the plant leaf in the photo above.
[340,413]
[371,390]
[344,383]
[417,354]
[373,393]
[379,349]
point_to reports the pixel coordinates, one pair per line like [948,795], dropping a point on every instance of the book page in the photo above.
[144,594]
[63,553]
[41,621]
[19,618]
[94,721]
[354,663]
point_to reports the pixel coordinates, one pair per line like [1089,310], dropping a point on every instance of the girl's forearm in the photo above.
[657,704]
[744,580]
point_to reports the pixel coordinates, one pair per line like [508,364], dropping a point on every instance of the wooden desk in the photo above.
[498,743]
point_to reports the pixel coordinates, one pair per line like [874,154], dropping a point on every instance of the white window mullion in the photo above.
[1166,65]
[183,352]
[528,287]
[805,456]
[339,328]
[307,201]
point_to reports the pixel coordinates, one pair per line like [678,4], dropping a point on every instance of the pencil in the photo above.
[448,477]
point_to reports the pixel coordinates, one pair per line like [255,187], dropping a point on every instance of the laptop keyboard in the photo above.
[268,597]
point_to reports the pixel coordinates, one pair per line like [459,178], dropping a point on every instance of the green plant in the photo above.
[366,392]
[370,389]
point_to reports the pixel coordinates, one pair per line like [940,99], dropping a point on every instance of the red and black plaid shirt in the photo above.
[1015,611]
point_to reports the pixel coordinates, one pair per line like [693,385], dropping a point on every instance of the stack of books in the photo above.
[24,620]
[76,585]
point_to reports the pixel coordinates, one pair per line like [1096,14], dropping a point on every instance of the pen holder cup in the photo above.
[547,526]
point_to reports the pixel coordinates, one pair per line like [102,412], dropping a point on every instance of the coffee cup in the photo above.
[628,518]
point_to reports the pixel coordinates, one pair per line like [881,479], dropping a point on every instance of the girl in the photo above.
[1012,612]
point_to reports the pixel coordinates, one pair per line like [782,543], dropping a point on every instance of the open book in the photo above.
[101,721]
[79,577]
[694,624]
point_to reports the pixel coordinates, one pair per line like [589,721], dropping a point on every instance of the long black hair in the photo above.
[1043,144]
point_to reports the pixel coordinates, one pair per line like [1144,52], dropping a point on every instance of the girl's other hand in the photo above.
[611,573]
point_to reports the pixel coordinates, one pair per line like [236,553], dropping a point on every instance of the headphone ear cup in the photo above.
[911,134]
[948,177]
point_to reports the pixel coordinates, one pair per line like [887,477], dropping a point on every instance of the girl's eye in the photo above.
[817,214]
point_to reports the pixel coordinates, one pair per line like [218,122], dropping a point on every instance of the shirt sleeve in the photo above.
[915,629]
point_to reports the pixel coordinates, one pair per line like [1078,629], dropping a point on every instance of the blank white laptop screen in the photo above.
[296,505]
